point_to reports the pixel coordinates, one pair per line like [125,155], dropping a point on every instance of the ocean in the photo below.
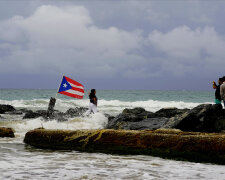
[20,161]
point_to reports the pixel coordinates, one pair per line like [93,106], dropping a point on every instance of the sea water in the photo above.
[20,161]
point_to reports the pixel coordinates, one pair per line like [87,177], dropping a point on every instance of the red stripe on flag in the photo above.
[77,89]
[71,95]
[74,82]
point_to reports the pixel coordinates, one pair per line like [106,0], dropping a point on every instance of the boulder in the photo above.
[75,112]
[30,114]
[128,116]
[6,108]
[6,132]
[16,112]
[203,118]
[169,112]
[59,116]
[173,144]
[149,123]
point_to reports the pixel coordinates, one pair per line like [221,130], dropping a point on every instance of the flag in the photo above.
[71,88]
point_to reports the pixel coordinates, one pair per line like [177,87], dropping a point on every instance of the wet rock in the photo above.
[6,132]
[166,143]
[130,118]
[75,112]
[150,124]
[6,108]
[16,112]
[169,112]
[30,114]
[24,110]
[56,115]
[203,118]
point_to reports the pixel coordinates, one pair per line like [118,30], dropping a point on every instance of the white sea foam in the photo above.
[107,106]
[94,121]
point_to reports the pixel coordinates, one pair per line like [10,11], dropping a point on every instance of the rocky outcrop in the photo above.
[60,116]
[169,112]
[75,112]
[139,118]
[6,108]
[6,132]
[166,143]
[129,118]
[203,118]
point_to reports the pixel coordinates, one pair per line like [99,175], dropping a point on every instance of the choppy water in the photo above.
[18,161]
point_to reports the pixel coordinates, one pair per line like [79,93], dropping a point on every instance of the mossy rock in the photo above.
[175,144]
[6,132]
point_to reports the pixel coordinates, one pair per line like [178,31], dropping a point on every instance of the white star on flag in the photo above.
[65,85]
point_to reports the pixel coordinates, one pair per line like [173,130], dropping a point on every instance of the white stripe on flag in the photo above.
[75,92]
[71,84]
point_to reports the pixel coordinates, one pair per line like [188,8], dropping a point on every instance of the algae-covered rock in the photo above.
[6,132]
[167,143]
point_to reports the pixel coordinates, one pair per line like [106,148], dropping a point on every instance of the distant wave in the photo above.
[115,106]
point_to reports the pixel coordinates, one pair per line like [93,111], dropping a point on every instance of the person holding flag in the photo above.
[93,102]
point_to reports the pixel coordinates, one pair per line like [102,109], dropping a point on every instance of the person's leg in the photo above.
[89,110]
[93,108]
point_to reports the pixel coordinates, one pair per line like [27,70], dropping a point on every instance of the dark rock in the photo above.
[30,114]
[125,119]
[6,108]
[150,124]
[203,118]
[51,105]
[16,112]
[75,112]
[57,115]
[110,117]
[6,132]
[24,110]
[169,112]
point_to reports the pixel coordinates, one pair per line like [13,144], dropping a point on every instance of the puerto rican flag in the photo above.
[71,88]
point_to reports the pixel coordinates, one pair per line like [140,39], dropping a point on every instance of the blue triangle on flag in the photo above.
[64,85]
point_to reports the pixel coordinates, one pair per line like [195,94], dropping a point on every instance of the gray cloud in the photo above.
[187,49]
[122,41]
[66,39]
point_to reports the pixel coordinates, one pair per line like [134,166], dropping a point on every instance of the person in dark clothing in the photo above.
[93,102]
[217,92]
[222,90]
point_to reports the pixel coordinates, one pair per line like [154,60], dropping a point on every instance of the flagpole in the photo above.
[59,86]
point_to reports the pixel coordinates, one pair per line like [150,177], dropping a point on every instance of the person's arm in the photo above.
[95,101]
[214,85]
[222,91]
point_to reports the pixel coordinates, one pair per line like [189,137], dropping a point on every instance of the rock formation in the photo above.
[203,118]
[166,143]
[6,132]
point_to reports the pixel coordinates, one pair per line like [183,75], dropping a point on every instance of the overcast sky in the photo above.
[163,44]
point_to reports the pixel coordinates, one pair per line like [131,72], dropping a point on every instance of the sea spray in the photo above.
[107,106]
